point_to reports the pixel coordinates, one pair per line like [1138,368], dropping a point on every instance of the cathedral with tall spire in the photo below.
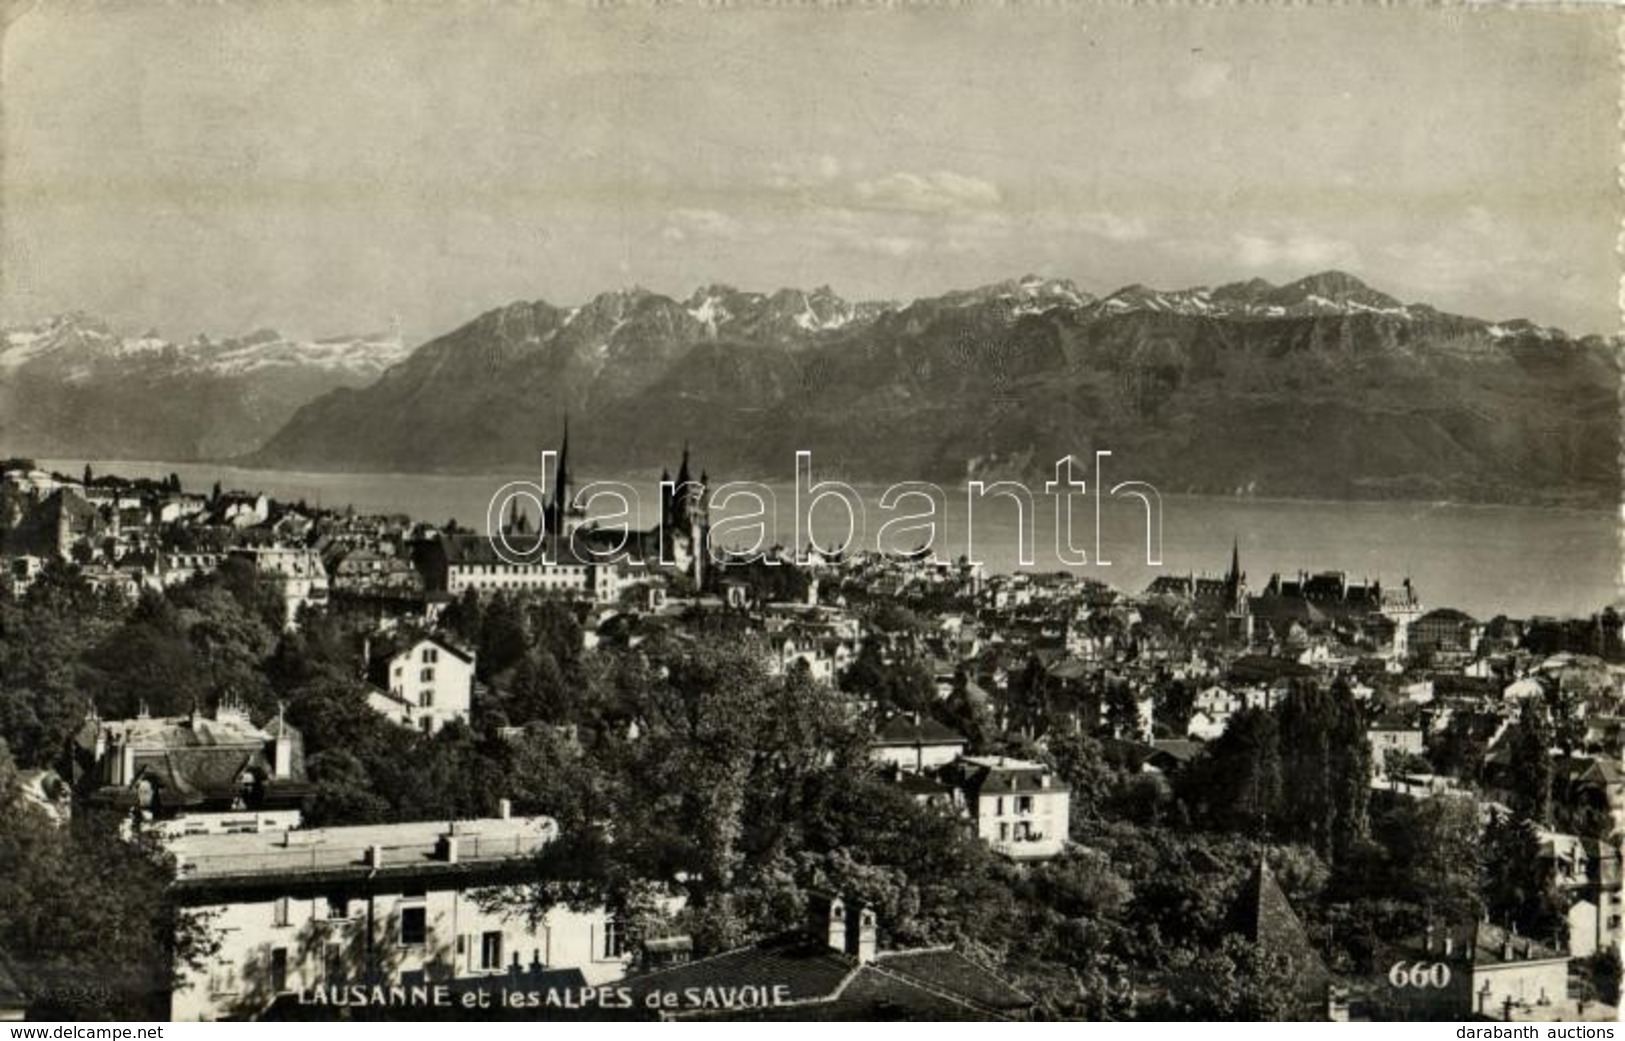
[680,541]
[1224,598]
[562,515]
[1238,615]
[685,519]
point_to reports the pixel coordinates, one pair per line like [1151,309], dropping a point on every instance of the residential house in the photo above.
[369,572]
[916,743]
[1394,732]
[1588,871]
[422,685]
[1480,970]
[1020,809]
[297,572]
[192,764]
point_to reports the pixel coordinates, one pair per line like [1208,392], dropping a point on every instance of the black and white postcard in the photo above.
[588,512]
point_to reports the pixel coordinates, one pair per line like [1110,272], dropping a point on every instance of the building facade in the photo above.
[305,917]
[423,685]
[193,764]
[1018,808]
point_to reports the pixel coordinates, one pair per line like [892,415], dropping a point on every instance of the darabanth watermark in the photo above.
[744,515]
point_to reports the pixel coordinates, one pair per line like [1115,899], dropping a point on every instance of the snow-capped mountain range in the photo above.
[1380,397]
[1323,387]
[73,386]
[76,345]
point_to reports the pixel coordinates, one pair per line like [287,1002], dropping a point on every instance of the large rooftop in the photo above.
[380,847]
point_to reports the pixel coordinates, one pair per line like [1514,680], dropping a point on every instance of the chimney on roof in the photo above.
[126,760]
[826,920]
[1506,948]
[862,932]
[504,808]
[282,749]
[375,857]
[445,848]
[1449,946]
[230,708]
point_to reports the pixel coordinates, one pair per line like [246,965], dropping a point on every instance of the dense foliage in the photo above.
[682,767]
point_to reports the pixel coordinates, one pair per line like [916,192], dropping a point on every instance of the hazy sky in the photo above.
[330,167]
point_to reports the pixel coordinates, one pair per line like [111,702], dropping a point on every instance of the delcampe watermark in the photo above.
[743,517]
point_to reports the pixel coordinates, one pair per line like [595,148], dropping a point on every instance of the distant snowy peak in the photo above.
[1029,294]
[787,313]
[1198,301]
[75,332]
[1330,293]
[365,355]
[716,305]
[1523,327]
[75,345]
[1040,294]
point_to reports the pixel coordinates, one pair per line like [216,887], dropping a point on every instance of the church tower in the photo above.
[1235,581]
[684,493]
[1238,611]
[685,516]
[563,516]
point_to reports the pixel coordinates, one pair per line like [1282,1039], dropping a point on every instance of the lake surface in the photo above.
[1486,560]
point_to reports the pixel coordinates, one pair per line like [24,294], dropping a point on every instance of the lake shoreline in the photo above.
[1485,559]
[499,476]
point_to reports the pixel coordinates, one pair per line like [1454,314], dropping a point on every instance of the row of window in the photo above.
[425,696]
[414,930]
[524,569]
[335,970]
[1022,832]
[415,933]
[336,905]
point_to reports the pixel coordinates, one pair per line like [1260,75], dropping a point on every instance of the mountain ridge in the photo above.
[1321,388]
[69,385]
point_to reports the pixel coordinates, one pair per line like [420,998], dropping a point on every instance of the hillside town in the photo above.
[305,762]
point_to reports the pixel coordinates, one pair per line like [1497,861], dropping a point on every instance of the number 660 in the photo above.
[1419,974]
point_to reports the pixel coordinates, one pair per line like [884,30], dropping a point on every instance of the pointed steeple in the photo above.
[562,482]
[1235,561]
[682,471]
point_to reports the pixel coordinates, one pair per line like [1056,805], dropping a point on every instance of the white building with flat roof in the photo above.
[307,917]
